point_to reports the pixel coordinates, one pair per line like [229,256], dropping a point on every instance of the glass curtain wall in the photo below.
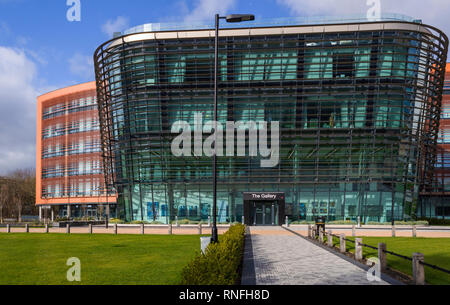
[355,128]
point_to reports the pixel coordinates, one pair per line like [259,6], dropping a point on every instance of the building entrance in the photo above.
[264,213]
[264,209]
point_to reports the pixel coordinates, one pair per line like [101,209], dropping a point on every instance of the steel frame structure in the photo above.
[359,106]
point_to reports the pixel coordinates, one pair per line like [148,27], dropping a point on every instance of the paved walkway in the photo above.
[277,257]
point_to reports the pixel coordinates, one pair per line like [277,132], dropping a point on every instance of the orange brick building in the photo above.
[69,169]
[436,204]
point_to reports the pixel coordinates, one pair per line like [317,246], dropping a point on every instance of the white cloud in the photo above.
[204,10]
[432,12]
[117,25]
[82,66]
[17,110]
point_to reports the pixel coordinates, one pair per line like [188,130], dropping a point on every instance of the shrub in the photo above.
[342,222]
[139,222]
[302,222]
[115,220]
[417,223]
[437,221]
[220,265]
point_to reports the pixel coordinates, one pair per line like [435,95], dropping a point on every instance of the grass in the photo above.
[40,259]
[436,251]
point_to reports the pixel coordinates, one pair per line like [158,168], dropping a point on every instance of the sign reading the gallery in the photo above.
[263,196]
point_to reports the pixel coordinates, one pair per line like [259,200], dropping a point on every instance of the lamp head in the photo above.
[240,18]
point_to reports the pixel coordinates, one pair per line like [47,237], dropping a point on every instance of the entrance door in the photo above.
[264,213]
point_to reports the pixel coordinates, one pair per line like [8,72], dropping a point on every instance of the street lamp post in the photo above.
[232,19]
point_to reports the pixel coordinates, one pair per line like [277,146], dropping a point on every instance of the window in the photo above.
[343,65]
[444,137]
[446,113]
[442,211]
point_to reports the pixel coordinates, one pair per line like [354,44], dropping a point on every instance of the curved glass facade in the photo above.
[358,106]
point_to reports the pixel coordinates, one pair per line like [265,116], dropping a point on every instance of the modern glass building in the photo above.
[358,103]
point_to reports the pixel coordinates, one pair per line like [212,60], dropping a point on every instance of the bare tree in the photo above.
[3,199]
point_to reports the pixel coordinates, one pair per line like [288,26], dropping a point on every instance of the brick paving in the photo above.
[282,258]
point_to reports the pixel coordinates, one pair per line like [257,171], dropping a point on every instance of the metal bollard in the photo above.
[27,228]
[418,269]
[414,231]
[200,229]
[115,228]
[90,228]
[68,228]
[8,228]
[142,229]
[46,228]
[382,256]
[353,231]
[358,249]
[321,236]
[343,247]
[393,231]
[330,238]
[170,229]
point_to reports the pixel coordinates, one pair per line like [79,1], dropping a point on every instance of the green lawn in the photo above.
[40,259]
[436,251]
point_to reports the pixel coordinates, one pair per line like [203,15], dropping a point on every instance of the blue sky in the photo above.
[40,50]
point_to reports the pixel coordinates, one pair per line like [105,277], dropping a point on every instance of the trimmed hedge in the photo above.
[437,221]
[220,265]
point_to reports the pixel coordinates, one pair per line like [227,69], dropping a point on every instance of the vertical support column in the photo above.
[115,228]
[69,214]
[243,220]
[8,228]
[358,249]
[382,256]
[209,221]
[27,228]
[46,228]
[90,228]
[330,238]
[287,221]
[170,229]
[107,212]
[414,231]
[343,247]
[53,214]
[142,229]
[418,269]
[40,213]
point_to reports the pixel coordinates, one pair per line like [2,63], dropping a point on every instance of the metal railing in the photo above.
[418,274]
